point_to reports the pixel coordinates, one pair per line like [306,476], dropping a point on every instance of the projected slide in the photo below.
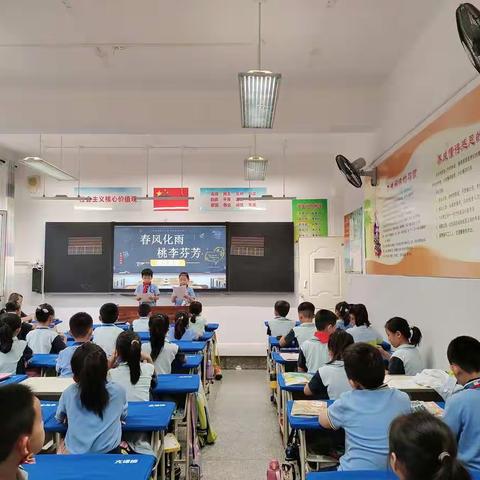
[168,250]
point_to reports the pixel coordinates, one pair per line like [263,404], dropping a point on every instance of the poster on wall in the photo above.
[353,239]
[310,218]
[166,205]
[111,197]
[231,199]
[423,218]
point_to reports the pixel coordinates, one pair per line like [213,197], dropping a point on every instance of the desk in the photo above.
[211,327]
[43,361]
[363,475]
[206,337]
[93,467]
[48,388]
[192,363]
[13,379]
[189,347]
[416,392]
[129,313]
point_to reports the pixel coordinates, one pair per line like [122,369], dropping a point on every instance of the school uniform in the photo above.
[163,363]
[300,334]
[87,432]
[330,381]
[405,360]
[341,325]
[188,336]
[105,336]
[190,292]
[365,334]
[366,416]
[14,361]
[314,353]
[45,340]
[280,326]
[462,416]
[147,289]
[140,392]
[63,365]
[141,324]
[199,326]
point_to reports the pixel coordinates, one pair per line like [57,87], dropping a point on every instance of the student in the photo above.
[189,297]
[14,353]
[147,292]
[342,311]
[462,408]
[406,359]
[141,323]
[280,325]
[22,430]
[180,330]
[14,307]
[331,381]
[45,339]
[18,298]
[305,331]
[314,352]
[161,351]
[92,407]
[367,411]
[81,329]
[197,320]
[105,335]
[363,331]
[422,447]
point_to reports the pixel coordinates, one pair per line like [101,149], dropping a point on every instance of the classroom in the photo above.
[239,239]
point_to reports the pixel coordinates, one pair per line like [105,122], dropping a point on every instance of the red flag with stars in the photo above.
[165,204]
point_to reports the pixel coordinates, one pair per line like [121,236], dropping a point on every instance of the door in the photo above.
[321,271]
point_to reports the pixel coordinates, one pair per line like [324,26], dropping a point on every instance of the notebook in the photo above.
[308,408]
[294,378]
[430,407]
[289,357]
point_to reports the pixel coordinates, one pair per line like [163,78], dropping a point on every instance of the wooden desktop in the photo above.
[128,313]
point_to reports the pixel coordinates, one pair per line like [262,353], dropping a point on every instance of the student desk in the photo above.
[192,363]
[13,379]
[44,361]
[206,337]
[416,392]
[93,467]
[48,388]
[211,327]
[363,475]
[190,347]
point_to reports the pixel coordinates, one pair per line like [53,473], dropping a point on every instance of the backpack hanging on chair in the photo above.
[290,469]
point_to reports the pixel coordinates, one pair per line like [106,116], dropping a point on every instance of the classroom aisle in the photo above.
[248,436]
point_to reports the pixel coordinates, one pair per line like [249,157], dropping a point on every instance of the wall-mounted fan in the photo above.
[354,171]
[468,25]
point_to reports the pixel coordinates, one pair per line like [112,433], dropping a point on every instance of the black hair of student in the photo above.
[181,324]
[398,324]
[184,273]
[364,365]
[323,318]
[80,324]
[360,313]
[129,349]
[158,325]
[144,309]
[337,343]
[307,309]
[425,448]
[147,272]
[18,417]
[11,307]
[282,307]
[465,352]
[43,312]
[195,310]
[343,309]
[9,323]
[90,367]
[109,313]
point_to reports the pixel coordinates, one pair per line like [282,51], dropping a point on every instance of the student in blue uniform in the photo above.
[367,411]
[141,323]
[303,332]
[147,292]
[422,447]
[189,297]
[280,325]
[462,410]
[342,311]
[180,330]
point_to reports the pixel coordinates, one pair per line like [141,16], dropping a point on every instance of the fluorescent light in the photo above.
[165,197]
[255,168]
[88,207]
[42,166]
[258,98]
[266,197]
[62,197]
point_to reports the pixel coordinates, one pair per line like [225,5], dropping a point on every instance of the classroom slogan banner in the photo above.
[423,218]
[353,241]
[310,218]
[231,199]
[118,198]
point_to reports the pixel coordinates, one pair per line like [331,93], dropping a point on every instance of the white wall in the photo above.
[427,76]
[309,174]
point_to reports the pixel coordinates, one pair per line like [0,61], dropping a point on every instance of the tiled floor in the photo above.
[245,420]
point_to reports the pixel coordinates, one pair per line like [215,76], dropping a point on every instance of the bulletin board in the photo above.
[423,218]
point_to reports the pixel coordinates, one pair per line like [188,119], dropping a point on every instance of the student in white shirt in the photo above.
[181,330]
[406,359]
[14,353]
[141,323]
[44,339]
[363,330]
[105,335]
[305,331]
[280,325]
[197,320]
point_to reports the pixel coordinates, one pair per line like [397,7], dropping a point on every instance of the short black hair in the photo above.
[323,318]
[80,324]
[282,307]
[12,307]
[109,313]
[144,309]
[147,272]
[364,365]
[184,273]
[307,309]
[18,416]
[465,352]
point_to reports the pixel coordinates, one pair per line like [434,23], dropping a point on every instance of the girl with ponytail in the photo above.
[180,330]
[93,407]
[197,320]
[422,447]
[14,353]
[406,359]
[342,311]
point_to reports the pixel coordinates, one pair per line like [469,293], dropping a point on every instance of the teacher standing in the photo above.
[189,297]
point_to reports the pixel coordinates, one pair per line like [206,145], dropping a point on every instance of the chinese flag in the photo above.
[164,204]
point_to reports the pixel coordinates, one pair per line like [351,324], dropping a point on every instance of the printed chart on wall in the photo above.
[310,218]
[423,218]
[353,237]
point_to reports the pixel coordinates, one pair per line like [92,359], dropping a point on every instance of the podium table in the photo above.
[129,313]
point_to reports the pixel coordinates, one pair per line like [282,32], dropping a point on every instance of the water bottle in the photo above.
[273,472]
